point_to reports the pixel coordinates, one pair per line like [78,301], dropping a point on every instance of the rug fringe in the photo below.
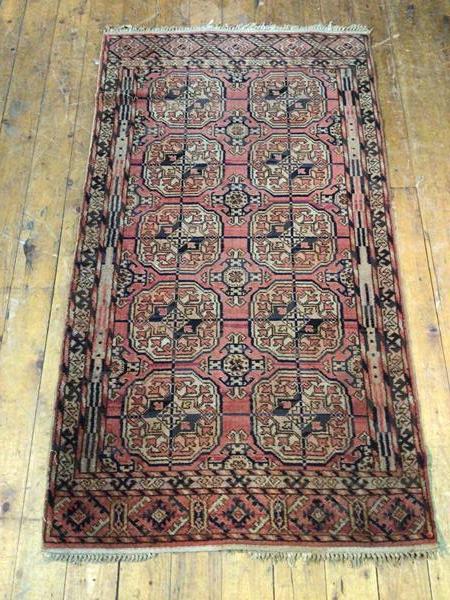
[79,557]
[245,27]
[355,557]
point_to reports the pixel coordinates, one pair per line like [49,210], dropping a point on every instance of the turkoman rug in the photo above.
[235,371]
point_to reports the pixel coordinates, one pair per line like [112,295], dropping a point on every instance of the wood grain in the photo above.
[21,115]
[47,85]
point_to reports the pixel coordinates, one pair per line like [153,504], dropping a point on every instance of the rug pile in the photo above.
[235,372]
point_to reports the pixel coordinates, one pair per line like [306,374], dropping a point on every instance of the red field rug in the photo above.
[235,371]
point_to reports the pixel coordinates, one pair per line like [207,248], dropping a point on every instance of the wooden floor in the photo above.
[48,53]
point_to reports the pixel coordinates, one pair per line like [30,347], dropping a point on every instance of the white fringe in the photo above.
[245,28]
[354,556]
[79,557]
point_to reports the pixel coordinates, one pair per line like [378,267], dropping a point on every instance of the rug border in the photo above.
[427,455]
[354,554]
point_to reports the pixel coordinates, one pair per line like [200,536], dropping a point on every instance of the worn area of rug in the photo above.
[235,371]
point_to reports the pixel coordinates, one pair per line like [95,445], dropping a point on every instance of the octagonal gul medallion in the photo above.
[171,417]
[180,165]
[181,100]
[284,237]
[306,323]
[179,238]
[302,418]
[295,164]
[292,100]
[175,320]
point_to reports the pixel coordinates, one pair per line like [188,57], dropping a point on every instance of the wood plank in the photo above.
[142,13]
[196,575]
[408,582]
[419,32]
[246,578]
[33,293]
[290,583]
[32,571]
[174,13]
[285,12]
[35,268]
[311,12]
[238,12]
[201,12]
[104,575]
[149,580]
[336,11]
[35,577]
[345,582]
[11,19]
[439,572]
[91,581]
[17,136]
